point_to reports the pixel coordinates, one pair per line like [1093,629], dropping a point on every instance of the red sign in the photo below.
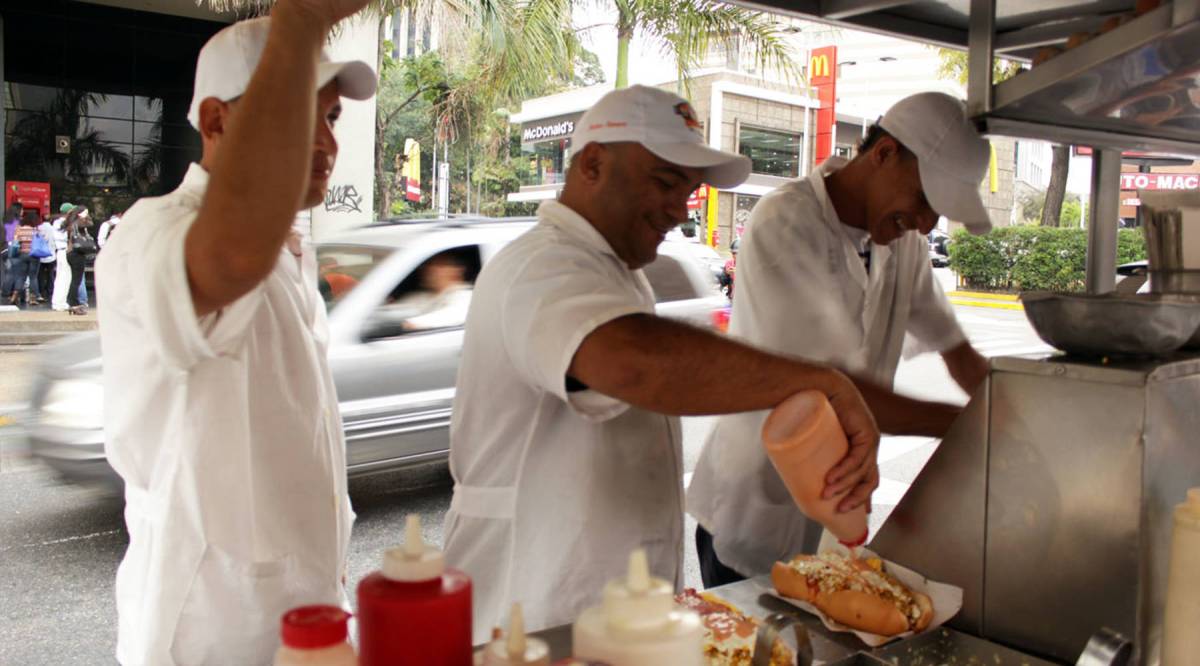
[34,196]
[1160,181]
[822,75]
[696,199]
[412,189]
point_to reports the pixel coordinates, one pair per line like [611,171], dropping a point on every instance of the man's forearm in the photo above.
[898,415]
[260,174]
[672,368]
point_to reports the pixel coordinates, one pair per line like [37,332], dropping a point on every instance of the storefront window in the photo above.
[103,124]
[771,152]
[743,205]
[546,162]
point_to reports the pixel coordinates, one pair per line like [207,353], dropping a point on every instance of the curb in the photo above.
[995,305]
[984,295]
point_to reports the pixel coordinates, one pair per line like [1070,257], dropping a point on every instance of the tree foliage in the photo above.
[1032,205]
[1032,258]
[954,67]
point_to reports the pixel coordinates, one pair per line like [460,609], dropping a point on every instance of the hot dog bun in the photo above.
[853,593]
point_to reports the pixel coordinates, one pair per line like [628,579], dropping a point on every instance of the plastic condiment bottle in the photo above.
[415,610]
[1181,636]
[315,636]
[804,440]
[516,649]
[639,624]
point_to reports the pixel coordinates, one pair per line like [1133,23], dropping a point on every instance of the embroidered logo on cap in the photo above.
[685,110]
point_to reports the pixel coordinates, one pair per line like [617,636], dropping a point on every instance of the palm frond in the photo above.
[688,28]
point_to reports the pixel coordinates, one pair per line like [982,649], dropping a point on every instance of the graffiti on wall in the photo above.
[343,199]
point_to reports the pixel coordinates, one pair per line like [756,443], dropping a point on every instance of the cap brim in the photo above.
[356,79]
[721,169]
[954,198]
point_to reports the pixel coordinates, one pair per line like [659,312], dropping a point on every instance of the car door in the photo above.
[396,385]
[683,290]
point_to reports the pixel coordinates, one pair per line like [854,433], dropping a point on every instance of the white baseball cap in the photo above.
[666,125]
[951,156]
[229,59]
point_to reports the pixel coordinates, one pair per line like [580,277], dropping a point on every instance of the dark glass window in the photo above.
[120,102]
[771,152]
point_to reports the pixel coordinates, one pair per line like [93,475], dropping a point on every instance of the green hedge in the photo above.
[1032,258]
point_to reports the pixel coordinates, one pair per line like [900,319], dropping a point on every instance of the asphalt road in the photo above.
[60,545]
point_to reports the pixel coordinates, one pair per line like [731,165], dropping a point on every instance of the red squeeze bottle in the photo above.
[415,610]
[804,440]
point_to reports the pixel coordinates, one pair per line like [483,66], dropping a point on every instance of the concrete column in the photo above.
[3,113]
[351,197]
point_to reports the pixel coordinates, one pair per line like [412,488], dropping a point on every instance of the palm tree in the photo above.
[33,152]
[528,35]
[686,29]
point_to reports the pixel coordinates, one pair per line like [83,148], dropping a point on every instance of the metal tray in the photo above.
[945,647]
[1112,324]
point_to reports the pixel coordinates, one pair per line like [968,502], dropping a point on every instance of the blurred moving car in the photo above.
[939,252]
[397,295]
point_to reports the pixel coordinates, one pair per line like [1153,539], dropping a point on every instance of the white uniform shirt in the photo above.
[554,489]
[227,433]
[802,290]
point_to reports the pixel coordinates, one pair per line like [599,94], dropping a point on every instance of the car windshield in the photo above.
[341,267]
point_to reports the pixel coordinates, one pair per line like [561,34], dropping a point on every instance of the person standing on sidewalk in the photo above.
[45,279]
[79,245]
[22,262]
[106,228]
[223,421]
[831,270]
[62,270]
[12,220]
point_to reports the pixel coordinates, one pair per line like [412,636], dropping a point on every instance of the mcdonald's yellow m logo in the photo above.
[818,65]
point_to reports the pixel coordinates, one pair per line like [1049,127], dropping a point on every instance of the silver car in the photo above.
[393,359]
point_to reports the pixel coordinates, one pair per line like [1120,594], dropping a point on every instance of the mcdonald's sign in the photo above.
[822,77]
[818,66]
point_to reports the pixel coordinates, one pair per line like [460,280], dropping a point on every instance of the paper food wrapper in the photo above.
[947,600]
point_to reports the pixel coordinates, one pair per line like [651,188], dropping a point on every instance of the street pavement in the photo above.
[60,545]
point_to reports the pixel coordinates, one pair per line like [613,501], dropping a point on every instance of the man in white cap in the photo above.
[221,415]
[835,268]
[564,443]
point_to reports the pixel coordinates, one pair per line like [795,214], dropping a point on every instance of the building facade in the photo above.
[96,97]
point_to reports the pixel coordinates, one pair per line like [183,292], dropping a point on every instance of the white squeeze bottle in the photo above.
[315,636]
[515,649]
[1181,626]
[639,624]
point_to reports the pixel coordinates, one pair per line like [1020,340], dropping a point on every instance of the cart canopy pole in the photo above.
[1103,214]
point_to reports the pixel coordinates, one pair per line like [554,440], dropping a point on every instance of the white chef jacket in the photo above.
[226,431]
[554,489]
[802,290]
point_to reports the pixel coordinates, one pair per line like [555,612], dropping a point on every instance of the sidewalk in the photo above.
[37,325]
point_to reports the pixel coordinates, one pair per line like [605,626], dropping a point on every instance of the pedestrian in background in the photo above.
[12,219]
[62,270]
[106,229]
[45,272]
[79,245]
[20,261]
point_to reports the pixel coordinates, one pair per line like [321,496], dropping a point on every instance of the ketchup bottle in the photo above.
[804,440]
[315,636]
[415,610]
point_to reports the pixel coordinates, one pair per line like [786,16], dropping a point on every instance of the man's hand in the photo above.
[328,12]
[857,475]
[968,368]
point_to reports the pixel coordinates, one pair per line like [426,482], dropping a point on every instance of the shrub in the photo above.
[1032,258]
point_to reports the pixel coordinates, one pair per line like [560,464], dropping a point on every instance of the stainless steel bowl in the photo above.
[1113,324]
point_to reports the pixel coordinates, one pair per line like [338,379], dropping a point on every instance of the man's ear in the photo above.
[886,148]
[590,162]
[213,115]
